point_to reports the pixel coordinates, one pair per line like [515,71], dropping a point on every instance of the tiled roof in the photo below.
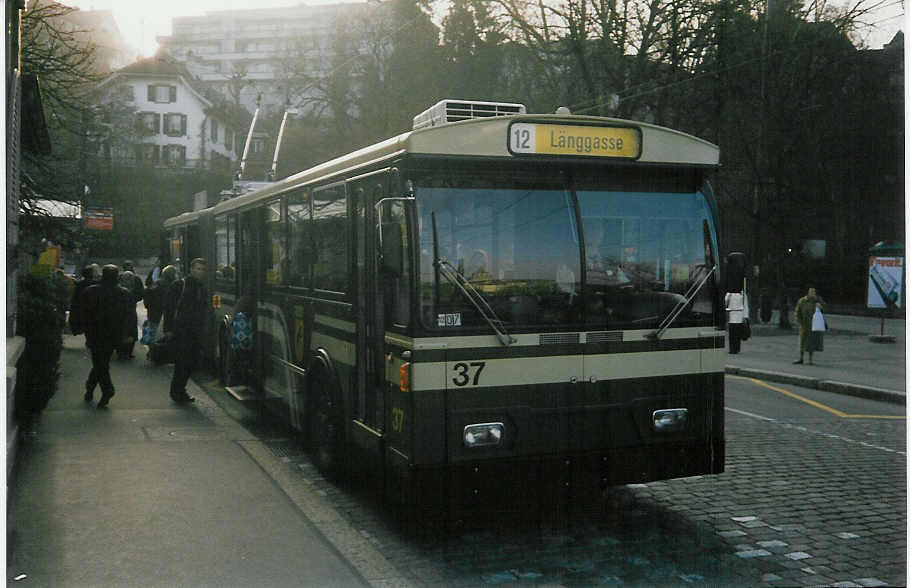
[156,65]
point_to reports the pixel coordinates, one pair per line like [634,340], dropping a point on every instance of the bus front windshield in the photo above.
[572,254]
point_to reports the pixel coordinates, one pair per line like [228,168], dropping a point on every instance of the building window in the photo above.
[228,139]
[149,123]
[175,124]
[147,154]
[162,94]
[257,146]
[125,92]
[174,155]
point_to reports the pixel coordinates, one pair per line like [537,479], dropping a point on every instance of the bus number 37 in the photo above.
[468,373]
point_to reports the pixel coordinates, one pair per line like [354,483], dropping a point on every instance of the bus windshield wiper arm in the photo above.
[677,310]
[475,298]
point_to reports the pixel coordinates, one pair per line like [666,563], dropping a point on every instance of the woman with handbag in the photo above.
[737,319]
[811,329]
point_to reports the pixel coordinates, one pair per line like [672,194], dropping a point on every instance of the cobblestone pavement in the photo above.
[799,504]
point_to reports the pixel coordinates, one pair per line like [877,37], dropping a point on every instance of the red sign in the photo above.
[101,219]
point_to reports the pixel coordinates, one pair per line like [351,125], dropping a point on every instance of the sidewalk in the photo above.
[150,493]
[850,364]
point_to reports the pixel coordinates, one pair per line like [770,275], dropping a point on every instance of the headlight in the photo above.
[483,435]
[670,419]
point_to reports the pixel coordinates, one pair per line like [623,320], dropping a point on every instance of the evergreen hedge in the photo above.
[42,305]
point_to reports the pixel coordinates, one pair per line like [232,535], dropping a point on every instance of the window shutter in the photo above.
[182,125]
[155,153]
[157,123]
[181,155]
[173,95]
[151,93]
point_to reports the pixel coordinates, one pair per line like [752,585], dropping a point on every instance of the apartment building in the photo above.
[177,125]
[267,54]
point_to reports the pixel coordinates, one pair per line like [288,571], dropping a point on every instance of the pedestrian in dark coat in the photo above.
[135,286]
[155,293]
[186,316]
[155,273]
[76,319]
[129,280]
[105,307]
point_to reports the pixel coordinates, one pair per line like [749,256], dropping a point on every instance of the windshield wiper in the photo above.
[677,310]
[467,290]
[475,298]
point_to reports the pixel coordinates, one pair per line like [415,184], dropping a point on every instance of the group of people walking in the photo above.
[103,307]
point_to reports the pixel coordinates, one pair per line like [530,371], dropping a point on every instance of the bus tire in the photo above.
[326,426]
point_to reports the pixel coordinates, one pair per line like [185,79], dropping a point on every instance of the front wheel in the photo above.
[326,429]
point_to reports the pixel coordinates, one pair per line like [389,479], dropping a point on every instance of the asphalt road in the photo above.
[814,493]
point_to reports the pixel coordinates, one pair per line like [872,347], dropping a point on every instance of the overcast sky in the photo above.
[140,21]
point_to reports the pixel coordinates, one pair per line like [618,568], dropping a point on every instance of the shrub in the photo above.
[41,315]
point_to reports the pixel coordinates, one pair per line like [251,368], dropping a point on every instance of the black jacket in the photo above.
[105,309]
[77,320]
[186,307]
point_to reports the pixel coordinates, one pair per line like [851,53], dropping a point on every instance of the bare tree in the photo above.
[65,65]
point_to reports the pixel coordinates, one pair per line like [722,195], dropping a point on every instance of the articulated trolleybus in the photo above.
[494,308]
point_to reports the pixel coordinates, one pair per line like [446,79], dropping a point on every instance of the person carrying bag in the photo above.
[811,324]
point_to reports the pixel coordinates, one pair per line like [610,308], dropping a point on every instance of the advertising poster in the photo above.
[885,278]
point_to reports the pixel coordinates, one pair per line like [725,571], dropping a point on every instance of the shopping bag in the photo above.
[242,333]
[162,351]
[148,333]
[818,321]
[747,330]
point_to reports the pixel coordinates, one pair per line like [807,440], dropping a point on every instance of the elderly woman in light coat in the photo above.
[810,340]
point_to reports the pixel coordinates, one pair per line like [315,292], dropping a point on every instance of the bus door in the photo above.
[249,278]
[370,318]
[370,392]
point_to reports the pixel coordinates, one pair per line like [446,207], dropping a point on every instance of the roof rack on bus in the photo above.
[450,110]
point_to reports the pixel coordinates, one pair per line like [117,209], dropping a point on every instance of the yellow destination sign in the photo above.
[579,140]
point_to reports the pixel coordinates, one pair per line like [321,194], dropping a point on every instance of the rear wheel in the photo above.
[326,430]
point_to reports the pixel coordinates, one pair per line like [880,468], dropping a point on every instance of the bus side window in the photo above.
[330,234]
[274,250]
[396,284]
[301,245]
[225,234]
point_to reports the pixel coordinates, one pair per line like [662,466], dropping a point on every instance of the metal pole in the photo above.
[274,170]
[249,139]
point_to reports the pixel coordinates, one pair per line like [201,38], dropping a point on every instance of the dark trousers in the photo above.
[187,350]
[735,332]
[101,370]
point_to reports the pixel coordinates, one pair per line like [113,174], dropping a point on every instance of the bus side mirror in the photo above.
[735,272]
[392,260]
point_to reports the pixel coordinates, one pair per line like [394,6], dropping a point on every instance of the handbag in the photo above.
[747,330]
[162,350]
[818,322]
